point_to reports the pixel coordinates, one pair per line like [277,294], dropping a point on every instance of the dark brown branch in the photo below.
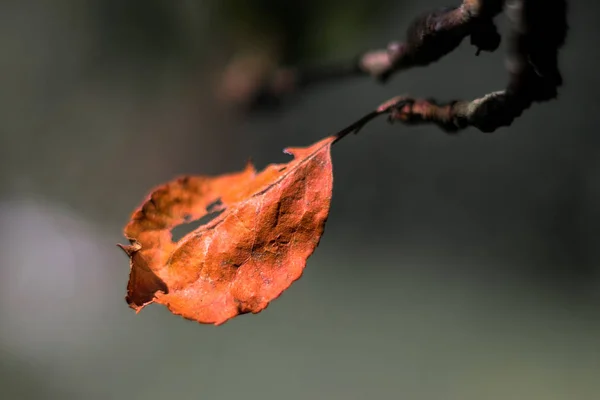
[435,34]
[538,31]
[428,38]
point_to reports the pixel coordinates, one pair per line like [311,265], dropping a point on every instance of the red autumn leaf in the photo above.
[245,257]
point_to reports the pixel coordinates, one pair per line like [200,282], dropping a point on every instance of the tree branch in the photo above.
[538,30]
[435,34]
[428,38]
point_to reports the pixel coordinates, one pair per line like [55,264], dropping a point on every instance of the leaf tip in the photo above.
[249,166]
[135,305]
[130,249]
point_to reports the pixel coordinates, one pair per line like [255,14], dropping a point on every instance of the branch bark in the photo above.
[538,30]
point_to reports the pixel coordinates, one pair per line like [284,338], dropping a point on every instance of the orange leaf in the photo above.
[248,255]
[245,257]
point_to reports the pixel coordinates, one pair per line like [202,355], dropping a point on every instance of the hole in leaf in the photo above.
[181,230]
[214,206]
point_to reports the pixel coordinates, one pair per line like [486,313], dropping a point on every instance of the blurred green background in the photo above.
[459,268]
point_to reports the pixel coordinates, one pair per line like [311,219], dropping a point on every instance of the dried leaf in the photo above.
[271,222]
[245,257]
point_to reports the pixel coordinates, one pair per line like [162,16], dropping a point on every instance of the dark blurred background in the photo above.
[459,267]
